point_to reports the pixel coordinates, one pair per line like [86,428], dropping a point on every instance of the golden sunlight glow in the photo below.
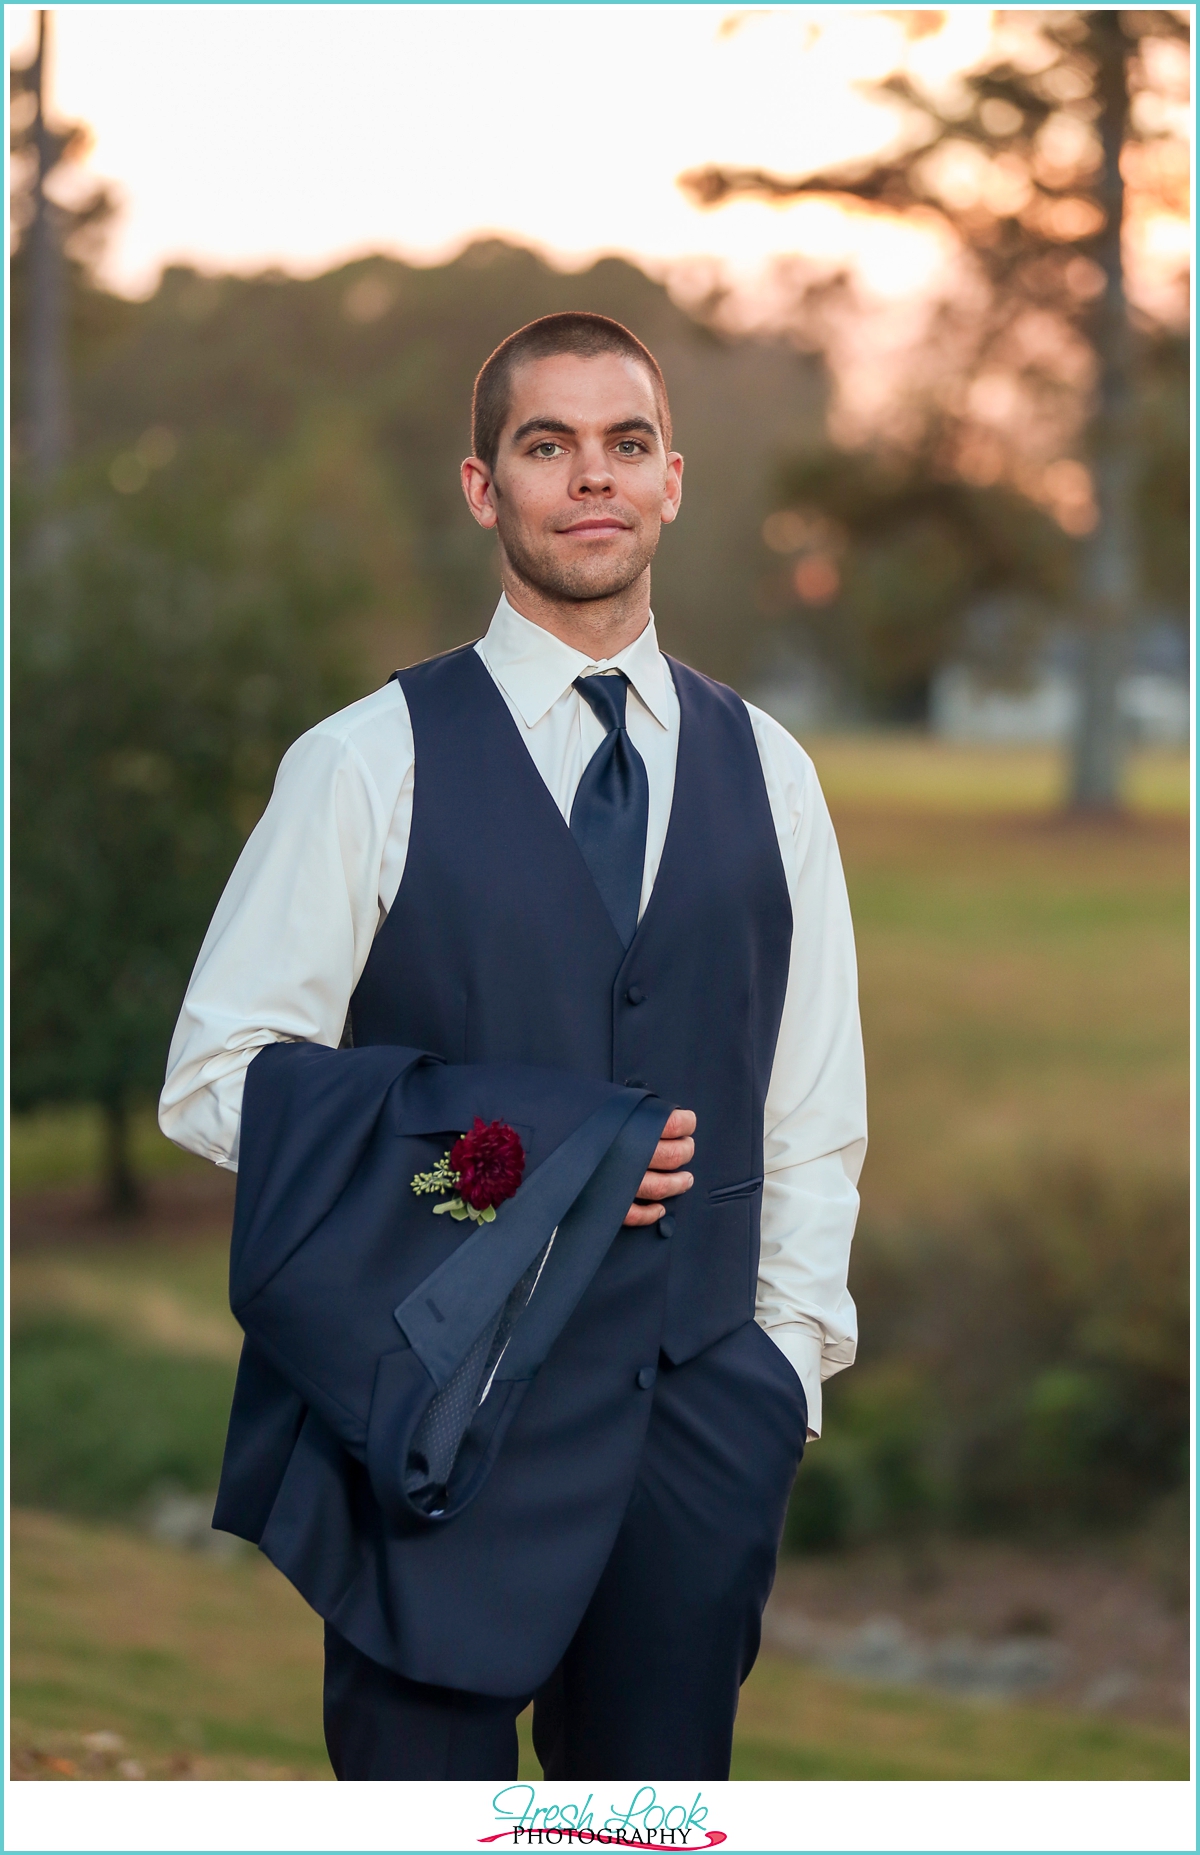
[244,136]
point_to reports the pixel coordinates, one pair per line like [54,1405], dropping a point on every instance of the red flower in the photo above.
[489,1161]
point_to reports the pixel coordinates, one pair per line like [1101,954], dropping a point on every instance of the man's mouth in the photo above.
[597,525]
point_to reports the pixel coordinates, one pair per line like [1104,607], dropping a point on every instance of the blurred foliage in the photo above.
[1029,370]
[1010,159]
[363,376]
[1031,1373]
[81,216]
[164,652]
[911,554]
[914,557]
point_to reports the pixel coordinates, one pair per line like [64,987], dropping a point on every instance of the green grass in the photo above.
[149,1289]
[203,1670]
[123,1359]
[96,1424]
[214,1671]
[1024,978]
[797,1723]
[911,772]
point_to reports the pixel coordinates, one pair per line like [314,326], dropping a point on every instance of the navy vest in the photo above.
[498,948]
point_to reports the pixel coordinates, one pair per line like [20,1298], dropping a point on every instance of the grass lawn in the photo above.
[122,1369]
[1024,978]
[202,1669]
[913,773]
[173,1297]
[208,1670]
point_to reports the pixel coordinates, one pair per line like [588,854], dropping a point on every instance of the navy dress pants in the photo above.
[648,1686]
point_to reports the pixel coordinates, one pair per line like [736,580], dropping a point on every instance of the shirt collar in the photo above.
[534,668]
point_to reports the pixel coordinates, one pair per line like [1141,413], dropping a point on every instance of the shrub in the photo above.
[1031,1372]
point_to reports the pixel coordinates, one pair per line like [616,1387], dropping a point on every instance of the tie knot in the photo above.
[605,696]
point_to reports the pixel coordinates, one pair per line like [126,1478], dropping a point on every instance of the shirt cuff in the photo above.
[802,1350]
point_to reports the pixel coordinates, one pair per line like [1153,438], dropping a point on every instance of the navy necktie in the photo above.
[612,804]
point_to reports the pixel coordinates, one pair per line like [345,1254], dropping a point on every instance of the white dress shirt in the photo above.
[292,932]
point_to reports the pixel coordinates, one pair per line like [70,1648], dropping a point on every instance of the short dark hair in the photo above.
[573,331]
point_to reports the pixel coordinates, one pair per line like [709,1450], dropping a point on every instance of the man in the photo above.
[557,847]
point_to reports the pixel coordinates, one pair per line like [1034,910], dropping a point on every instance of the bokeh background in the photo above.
[918,283]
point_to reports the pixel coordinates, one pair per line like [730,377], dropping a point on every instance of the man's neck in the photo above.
[600,628]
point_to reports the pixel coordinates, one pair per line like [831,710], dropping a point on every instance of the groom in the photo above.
[558,847]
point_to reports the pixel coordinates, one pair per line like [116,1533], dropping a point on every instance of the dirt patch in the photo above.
[178,1208]
[49,1756]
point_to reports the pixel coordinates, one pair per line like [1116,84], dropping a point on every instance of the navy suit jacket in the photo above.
[372,1326]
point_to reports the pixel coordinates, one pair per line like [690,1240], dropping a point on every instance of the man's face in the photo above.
[582,482]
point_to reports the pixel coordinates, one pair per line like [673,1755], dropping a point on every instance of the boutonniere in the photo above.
[481,1170]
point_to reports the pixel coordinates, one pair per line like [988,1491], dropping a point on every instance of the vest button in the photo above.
[665,1226]
[634,1082]
[636,995]
[646,1377]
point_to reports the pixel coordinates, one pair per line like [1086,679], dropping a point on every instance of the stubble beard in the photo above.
[581,581]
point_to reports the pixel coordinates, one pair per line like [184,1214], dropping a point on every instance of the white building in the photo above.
[1155,707]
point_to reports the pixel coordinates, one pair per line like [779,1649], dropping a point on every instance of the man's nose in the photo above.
[593,475]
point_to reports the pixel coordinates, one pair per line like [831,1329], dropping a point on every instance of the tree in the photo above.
[53,242]
[384,354]
[177,612]
[886,556]
[162,659]
[1022,162]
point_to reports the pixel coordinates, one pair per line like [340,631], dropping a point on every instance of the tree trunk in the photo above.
[122,1194]
[1108,567]
[47,296]
[1098,746]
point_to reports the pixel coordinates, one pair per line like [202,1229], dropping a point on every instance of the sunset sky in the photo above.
[245,136]
[241,136]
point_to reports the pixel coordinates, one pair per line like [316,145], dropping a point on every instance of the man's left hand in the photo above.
[664,1179]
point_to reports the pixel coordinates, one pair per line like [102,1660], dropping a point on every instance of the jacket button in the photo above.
[636,995]
[665,1226]
[646,1377]
[634,1082]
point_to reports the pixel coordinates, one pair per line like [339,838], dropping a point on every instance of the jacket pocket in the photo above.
[744,1188]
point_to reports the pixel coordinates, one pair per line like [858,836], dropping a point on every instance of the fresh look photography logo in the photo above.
[647,1822]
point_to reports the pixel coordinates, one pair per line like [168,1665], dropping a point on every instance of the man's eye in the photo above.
[547,448]
[629,447]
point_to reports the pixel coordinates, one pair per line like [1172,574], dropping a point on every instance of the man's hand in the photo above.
[664,1180]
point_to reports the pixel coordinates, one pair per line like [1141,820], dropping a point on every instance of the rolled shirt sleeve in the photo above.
[293,929]
[815,1127]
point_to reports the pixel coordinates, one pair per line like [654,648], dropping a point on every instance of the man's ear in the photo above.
[673,488]
[477,487]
